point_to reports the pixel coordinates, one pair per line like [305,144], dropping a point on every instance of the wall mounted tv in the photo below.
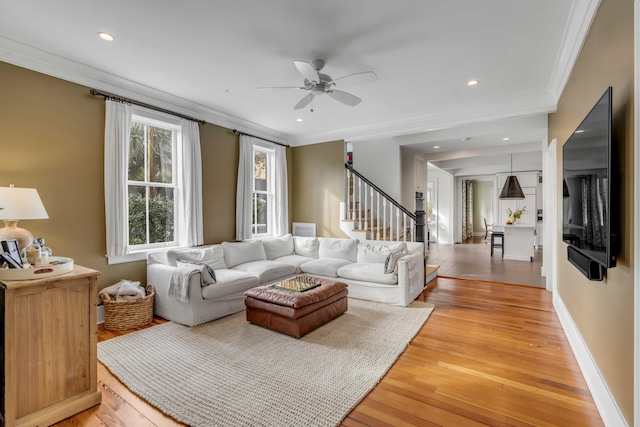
[588,224]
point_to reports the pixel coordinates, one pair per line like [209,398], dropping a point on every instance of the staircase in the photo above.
[368,213]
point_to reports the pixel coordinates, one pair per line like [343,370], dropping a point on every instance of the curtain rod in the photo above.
[237,132]
[106,95]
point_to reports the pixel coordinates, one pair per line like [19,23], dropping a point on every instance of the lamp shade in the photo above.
[21,203]
[511,189]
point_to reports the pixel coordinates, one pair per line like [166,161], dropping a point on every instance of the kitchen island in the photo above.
[518,242]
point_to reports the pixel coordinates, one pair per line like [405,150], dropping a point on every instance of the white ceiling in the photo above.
[206,59]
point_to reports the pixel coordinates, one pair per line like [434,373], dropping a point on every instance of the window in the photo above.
[151,183]
[262,201]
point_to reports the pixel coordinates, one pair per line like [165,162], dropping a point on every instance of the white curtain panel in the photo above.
[117,130]
[190,210]
[244,189]
[281,192]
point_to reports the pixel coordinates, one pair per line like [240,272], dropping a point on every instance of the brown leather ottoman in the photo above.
[296,313]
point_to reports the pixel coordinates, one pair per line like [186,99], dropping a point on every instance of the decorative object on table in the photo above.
[514,216]
[34,254]
[298,284]
[43,247]
[511,189]
[11,247]
[19,204]
[56,267]
[6,258]
[128,314]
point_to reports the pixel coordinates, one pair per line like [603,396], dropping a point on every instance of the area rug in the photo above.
[232,373]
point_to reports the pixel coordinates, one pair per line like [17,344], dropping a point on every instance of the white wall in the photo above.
[445,202]
[379,161]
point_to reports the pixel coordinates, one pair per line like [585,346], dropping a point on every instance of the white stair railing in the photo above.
[374,212]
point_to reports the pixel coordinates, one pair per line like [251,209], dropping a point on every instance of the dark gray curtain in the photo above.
[467,209]
[594,194]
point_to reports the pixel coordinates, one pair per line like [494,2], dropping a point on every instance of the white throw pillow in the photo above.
[392,262]
[306,246]
[207,274]
[373,253]
[346,249]
[240,252]
[276,247]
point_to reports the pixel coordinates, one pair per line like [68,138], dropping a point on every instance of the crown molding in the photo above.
[582,14]
[25,56]
[516,106]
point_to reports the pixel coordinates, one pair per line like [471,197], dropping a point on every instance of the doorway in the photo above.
[432,210]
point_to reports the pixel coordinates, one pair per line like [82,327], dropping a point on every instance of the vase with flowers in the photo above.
[514,216]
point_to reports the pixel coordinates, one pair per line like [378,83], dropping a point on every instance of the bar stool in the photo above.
[497,235]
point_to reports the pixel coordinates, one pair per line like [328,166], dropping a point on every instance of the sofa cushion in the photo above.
[324,267]
[306,246]
[267,271]
[229,282]
[210,255]
[240,252]
[276,247]
[207,275]
[296,260]
[367,272]
[346,249]
[378,252]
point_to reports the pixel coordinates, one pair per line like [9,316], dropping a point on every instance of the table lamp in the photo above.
[17,204]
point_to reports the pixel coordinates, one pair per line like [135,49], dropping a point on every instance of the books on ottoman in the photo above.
[298,284]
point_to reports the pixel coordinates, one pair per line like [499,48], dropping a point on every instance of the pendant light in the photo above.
[511,189]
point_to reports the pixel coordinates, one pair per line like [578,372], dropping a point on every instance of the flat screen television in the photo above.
[588,225]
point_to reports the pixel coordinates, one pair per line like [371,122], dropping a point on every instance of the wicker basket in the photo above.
[121,315]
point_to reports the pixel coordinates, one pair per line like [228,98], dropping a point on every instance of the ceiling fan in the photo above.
[318,84]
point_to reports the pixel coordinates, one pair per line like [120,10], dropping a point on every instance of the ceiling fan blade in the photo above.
[362,78]
[304,101]
[280,87]
[344,97]
[308,71]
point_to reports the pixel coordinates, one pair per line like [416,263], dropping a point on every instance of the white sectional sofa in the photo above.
[186,294]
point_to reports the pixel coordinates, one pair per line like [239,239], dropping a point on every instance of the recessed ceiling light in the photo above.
[506,138]
[436,146]
[579,131]
[473,82]
[106,36]
[298,120]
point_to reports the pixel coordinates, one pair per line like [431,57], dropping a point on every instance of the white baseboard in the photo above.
[607,406]
[100,314]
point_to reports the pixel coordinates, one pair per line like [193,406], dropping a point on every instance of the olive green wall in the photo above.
[52,139]
[317,186]
[481,205]
[603,311]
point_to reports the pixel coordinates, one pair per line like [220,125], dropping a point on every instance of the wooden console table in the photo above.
[48,340]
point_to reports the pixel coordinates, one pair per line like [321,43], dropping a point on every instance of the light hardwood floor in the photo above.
[472,259]
[490,354]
